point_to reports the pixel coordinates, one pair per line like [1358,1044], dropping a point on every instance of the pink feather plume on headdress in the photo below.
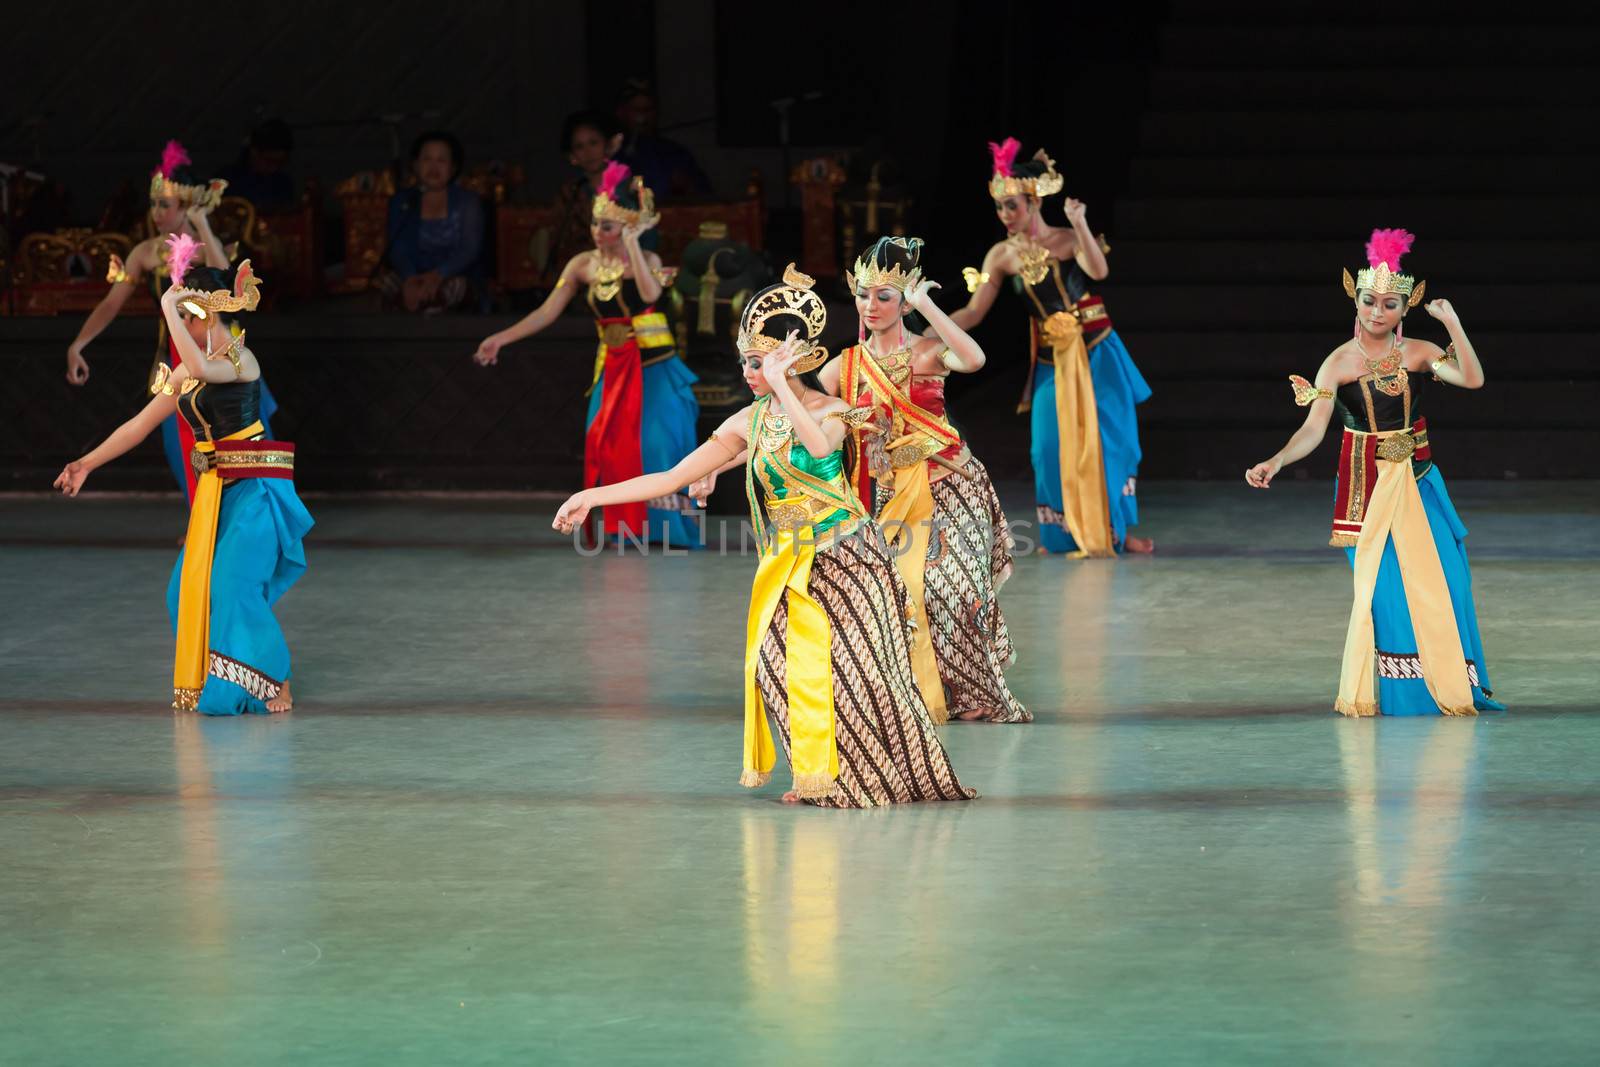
[615,174]
[173,157]
[181,252]
[1387,246]
[1004,154]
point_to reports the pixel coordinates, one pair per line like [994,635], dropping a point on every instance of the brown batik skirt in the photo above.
[969,559]
[888,750]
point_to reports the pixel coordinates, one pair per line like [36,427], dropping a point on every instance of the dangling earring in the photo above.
[208,342]
[862,322]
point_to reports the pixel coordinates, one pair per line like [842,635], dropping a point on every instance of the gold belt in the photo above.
[1398,446]
[615,334]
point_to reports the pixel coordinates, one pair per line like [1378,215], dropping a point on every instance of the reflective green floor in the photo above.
[503,825]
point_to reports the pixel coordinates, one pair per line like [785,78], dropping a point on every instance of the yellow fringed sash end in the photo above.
[1468,710]
[754,779]
[813,786]
[185,699]
[1358,709]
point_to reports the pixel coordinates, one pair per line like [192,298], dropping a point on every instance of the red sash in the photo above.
[611,447]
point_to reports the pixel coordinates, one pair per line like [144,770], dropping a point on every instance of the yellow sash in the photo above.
[1395,510]
[193,655]
[907,521]
[1084,504]
[785,568]
[808,657]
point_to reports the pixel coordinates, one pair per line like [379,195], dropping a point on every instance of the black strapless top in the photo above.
[216,409]
[1367,409]
[1060,290]
[624,305]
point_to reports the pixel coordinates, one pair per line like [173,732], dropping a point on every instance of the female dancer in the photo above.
[825,644]
[642,410]
[1083,388]
[177,205]
[933,498]
[245,524]
[1413,614]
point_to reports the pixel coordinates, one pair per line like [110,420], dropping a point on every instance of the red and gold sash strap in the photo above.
[850,393]
[248,459]
[1358,475]
[191,657]
[917,419]
[1395,512]
[1085,506]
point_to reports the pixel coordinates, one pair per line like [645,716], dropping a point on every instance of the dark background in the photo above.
[1236,155]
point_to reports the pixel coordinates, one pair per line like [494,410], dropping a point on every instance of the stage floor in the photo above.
[503,824]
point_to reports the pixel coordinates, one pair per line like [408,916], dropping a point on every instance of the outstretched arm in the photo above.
[1304,440]
[123,438]
[488,352]
[729,440]
[983,295]
[109,307]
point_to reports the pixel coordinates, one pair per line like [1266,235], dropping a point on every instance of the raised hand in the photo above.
[635,230]
[1077,211]
[71,478]
[775,367]
[918,294]
[1441,310]
[1260,476]
[572,513]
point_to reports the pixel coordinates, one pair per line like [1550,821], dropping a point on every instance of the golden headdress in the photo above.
[606,205]
[1001,182]
[869,273]
[245,296]
[793,297]
[162,182]
[1382,275]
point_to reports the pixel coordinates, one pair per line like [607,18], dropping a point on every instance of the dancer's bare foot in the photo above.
[284,701]
[1141,545]
[973,714]
[791,797]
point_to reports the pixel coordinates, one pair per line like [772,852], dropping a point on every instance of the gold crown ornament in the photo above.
[1001,182]
[868,275]
[606,207]
[1382,275]
[793,297]
[245,296]
[162,183]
